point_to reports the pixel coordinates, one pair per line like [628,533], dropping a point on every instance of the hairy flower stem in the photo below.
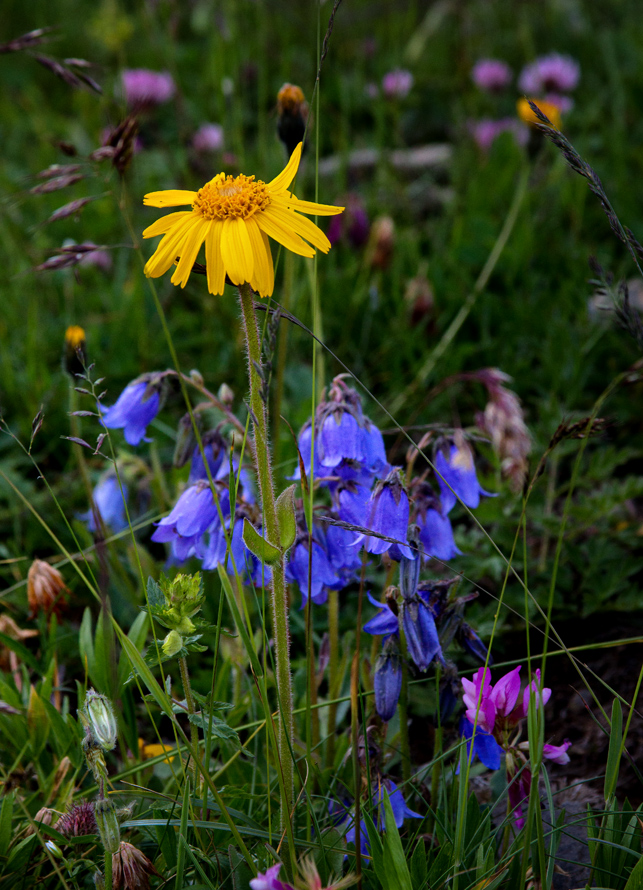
[278,599]
[108,871]
[189,700]
[333,673]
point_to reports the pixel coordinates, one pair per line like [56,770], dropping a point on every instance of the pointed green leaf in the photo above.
[154,593]
[635,880]
[38,723]
[86,642]
[395,864]
[286,520]
[6,812]
[137,634]
[614,752]
[262,549]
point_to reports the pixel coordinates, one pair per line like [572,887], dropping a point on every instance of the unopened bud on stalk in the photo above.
[381,242]
[185,441]
[292,109]
[225,395]
[99,880]
[45,588]
[172,644]
[108,827]
[98,715]
[54,849]
[94,757]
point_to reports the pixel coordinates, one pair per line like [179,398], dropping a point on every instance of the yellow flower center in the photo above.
[231,197]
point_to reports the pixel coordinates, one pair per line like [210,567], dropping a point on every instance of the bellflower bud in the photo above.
[98,715]
[387,680]
[107,823]
[421,635]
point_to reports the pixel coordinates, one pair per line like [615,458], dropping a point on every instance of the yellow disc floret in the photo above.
[231,197]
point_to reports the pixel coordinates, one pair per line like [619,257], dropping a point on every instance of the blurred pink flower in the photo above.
[491,75]
[397,83]
[372,90]
[99,259]
[552,73]
[486,130]
[208,138]
[562,103]
[143,87]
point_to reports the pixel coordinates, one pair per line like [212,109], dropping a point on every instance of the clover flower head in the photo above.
[208,138]
[491,75]
[234,216]
[269,880]
[553,73]
[397,84]
[486,130]
[142,87]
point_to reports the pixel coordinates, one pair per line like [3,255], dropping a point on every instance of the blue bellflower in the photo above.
[484,745]
[109,502]
[388,515]
[422,641]
[457,478]
[384,623]
[137,405]
[322,576]
[398,805]
[387,679]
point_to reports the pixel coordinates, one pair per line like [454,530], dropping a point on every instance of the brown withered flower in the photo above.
[8,627]
[381,243]
[504,423]
[292,110]
[131,869]
[45,589]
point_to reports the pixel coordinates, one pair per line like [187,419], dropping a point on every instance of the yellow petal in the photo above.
[281,182]
[236,251]
[169,198]
[165,223]
[263,280]
[302,226]
[214,260]
[194,238]
[271,224]
[169,248]
[289,200]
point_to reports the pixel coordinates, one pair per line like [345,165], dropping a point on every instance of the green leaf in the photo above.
[183,831]
[138,663]
[86,642]
[286,520]
[37,722]
[614,752]
[21,651]
[635,880]
[418,865]
[395,865]
[241,874]
[137,634]
[216,727]
[257,544]
[6,812]
[154,593]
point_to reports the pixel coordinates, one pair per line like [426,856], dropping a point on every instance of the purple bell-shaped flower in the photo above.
[422,641]
[388,515]
[387,679]
[457,477]
[137,405]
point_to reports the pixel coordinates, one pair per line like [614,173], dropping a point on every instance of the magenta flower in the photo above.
[397,84]
[491,75]
[208,138]
[557,753]
[142,87]
[486,130]
[552,73]
[269,880]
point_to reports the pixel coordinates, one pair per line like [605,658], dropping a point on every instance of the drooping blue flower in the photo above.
[194,511]
[137,405]
[388,515]
[340,438]
[373,449]
[353,503]
[398,806]
[409,576]
[342,553]
[322,575]
[422,641]
[436,537]
[384,623]
[109,502]
[457,478]
[387,679]
[469,639]
[214,448]
[484,745]
[304,444]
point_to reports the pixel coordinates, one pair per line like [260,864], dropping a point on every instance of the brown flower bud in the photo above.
[131,869]
[45,589]
[381,242]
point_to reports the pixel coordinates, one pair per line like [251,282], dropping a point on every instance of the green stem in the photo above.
[333,672]
[278,599]
[189,700]
[108,870]
[282,353]
[405,748]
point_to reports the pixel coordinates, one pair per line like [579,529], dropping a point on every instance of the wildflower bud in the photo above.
[122,139]
[78,821]
[387,680]
[421,635]
[107,824]
[410,568]
[45,588]
[184,598]
[185,441]
[94,756]
[469,639]
[418,296]
[196,377]
[98,715]
[172,644]
[225,395]
[75,355]
[54,849]
[131,869]
[381,243]
[292,110]
[503,421]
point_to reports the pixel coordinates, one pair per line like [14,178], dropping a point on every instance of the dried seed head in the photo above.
[131,869]
[45,589]
[503,421]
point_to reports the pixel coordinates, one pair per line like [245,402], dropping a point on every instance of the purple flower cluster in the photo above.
[491,75]
[352,224]
[142,87]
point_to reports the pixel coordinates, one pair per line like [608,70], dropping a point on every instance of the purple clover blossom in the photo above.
[208,138]
[269,880]
[110,504]
[491,75]
[137,405]
[142,87]
[553,73]
[457,478]
[387,679]
[388,514]
[486,130]
[397,84]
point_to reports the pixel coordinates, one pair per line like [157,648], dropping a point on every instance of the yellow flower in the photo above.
[548,109]
[234,216]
